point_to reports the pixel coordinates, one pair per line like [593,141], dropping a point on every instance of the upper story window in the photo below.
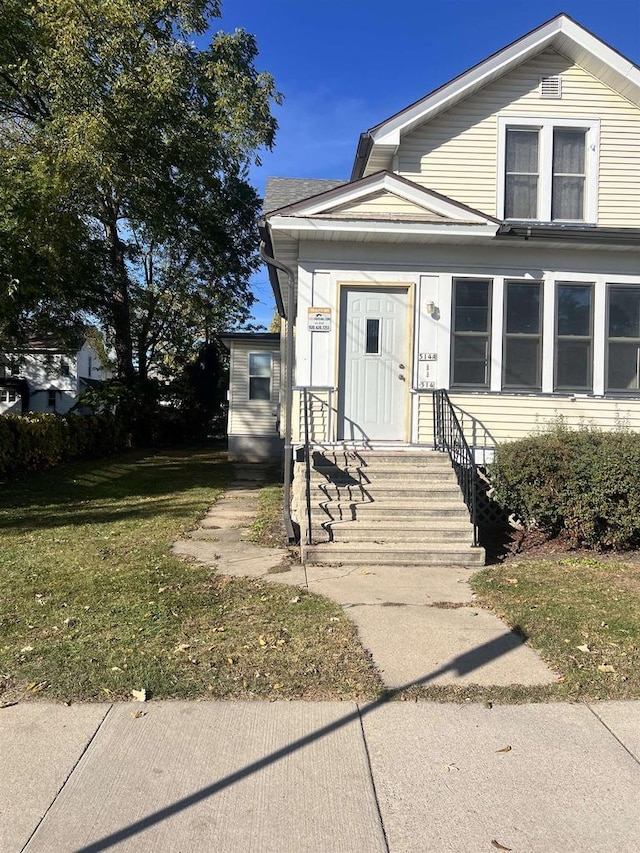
[548,170]
[259,376]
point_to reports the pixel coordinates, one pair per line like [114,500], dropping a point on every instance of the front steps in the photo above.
[401,508]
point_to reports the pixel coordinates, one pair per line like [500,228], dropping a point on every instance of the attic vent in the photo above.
[551,87]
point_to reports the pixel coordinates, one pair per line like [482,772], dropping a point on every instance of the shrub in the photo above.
[37,441]
[582,482]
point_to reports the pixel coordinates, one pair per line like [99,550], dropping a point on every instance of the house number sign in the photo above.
[428,356]
[319,320]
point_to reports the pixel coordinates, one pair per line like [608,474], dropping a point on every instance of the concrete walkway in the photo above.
[419,623]
[286,777]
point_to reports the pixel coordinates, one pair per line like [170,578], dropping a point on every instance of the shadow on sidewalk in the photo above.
[462,665]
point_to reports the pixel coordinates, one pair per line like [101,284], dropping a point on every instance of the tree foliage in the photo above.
[124,151]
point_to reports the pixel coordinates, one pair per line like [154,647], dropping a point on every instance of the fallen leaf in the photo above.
[182,647]
[69,622]
[137,714]
[499,846]
[139,695]
[295,600]
[277,686]
[505,748]
[450,767]
[606,667]
[262,641]
[583,648]
[513,581]
[26,649]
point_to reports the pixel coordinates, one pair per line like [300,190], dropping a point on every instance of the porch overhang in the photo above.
[379,230]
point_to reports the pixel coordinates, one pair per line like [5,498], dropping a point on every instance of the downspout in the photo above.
[288,387]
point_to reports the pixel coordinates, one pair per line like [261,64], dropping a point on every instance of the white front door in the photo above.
[374,371]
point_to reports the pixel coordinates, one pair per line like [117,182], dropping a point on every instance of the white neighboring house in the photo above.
[43,377]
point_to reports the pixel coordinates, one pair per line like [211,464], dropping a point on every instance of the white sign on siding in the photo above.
[319,320]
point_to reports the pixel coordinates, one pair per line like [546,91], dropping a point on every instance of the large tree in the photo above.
[130,146]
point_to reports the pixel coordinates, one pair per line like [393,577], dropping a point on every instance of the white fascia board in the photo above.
[601,51]
[389,132]
[304,225]
[415,194]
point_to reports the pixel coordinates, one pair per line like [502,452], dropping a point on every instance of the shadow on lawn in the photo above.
[102,491]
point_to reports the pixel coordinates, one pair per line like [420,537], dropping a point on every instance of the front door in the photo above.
[373,364]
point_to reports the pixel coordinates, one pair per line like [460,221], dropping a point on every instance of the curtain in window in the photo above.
[521,178]
[567,199]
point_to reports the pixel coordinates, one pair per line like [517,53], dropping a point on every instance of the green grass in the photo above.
[93,605]
[581,614]
[268,527]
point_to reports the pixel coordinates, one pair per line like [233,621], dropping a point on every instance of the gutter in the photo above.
[365,144]
[274,265]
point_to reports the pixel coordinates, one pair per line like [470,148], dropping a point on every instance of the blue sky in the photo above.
[320,56]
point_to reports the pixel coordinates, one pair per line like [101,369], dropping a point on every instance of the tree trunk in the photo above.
[120,316]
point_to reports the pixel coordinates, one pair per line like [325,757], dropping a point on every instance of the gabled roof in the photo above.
[561,33]
[335,203]
[280,192]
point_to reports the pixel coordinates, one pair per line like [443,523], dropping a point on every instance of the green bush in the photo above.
[36,441]
[583,483]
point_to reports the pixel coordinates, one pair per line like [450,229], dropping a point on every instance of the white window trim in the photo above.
[251,376]
[547,125]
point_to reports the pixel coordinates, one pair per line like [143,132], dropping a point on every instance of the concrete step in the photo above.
[374,458]
[339,476]
[383,492]
[416,511]
[411,554]
[355,532]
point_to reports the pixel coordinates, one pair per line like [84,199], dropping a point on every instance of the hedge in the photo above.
[36,441]
[584,483]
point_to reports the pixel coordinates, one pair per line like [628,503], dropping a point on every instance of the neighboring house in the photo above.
[43,377]
[487,244]
[254,396]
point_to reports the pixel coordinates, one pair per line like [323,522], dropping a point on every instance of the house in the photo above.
[253,427]
[479,273]
[44,376]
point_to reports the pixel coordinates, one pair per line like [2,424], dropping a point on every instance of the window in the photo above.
[471,332]
[372,345]
[259,376]
[574,337]
[65,368]
[8,396]
[623,372]
[548,169]
[51,398]
[522,350]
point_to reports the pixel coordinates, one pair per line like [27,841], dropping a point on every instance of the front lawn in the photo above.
[93,606]
[581,613]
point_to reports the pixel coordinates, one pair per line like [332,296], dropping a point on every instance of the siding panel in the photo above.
[457,153]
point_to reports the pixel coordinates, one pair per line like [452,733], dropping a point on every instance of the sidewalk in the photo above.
[415,620]
[288,777]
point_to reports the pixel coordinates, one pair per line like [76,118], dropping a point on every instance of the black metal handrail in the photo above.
[448,436]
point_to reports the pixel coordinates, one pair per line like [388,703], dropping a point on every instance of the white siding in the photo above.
[456,154]
[251,417]
[490,419]
[385,203]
